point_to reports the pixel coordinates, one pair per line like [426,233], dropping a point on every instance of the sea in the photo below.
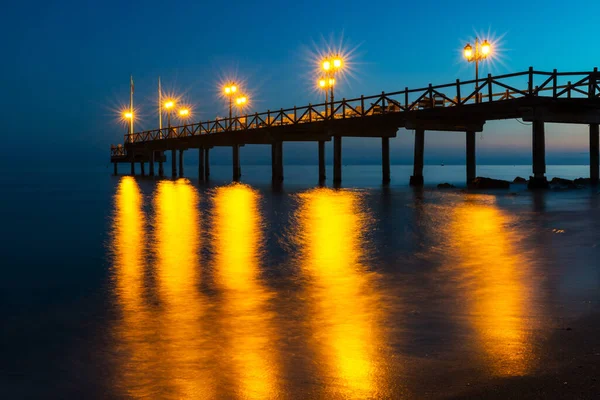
[140,287]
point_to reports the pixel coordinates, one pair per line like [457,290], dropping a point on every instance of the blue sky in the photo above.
[66,64]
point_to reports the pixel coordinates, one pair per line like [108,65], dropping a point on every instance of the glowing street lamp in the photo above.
[326,84]
[477,54]
[241,101]
[169,104]
[128,116]
[331,65]
[229,91]
[184,114]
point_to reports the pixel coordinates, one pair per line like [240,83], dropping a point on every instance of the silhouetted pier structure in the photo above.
[462,106]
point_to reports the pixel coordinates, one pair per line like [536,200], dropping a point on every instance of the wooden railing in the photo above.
[530,83]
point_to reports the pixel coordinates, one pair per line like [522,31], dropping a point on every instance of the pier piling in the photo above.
[237,172]
[337,159]
[206,163]
[417,177]
[277,162]
[201,176]
[322,174]
[180,163]
[132,168]
[161,168]
[115,168]
[151,163]
[174,163]
[594,154]
[471,163]
[385,159]
[142,169]
[538,145]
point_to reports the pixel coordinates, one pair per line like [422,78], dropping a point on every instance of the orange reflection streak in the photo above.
[493,279]
[346,310]
[177,247]
[246,321]
[135,372]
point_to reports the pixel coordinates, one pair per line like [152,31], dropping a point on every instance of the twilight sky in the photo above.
[66,65]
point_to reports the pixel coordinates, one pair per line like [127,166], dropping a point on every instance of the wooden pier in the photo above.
[534,96]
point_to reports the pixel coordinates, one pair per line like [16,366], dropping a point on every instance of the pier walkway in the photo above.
[462,106]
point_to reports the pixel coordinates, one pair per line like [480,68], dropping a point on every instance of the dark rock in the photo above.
[561,183]
[488,183]
[446,186]
[519,179]
[582,181]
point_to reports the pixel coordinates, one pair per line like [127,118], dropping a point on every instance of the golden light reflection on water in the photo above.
[177,242]
[245,318]
[345,310]
[128,244]
[492,276]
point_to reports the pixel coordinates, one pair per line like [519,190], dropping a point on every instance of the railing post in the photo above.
[268,117]
[309,112]
[256,119]
[295,115]
[554,83]
[281,114]
[362,105]
[592,84]
[383,102]
[489,79]
[458,95]
[568,89]
[343,107]
[431,96]
[406,98]
[530,84]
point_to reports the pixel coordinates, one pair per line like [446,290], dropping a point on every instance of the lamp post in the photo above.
[169,104]
[229,91]
[128,116]
[326,84]
[477,54]
[241,102]
[331,65]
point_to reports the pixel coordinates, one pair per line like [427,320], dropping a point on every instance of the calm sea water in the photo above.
[121,287]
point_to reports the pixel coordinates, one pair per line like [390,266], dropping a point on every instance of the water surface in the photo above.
[140,288]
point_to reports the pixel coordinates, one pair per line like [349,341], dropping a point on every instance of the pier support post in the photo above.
[142,169]
[337,159]
[385,159]
[116,170]
[174,163]
[161,168]
[417,177]
[181,163]
[538,180]
[471,163]
[206,163]
[237,173]
[277,162]
[594,154]
[322,175]
[201,164]
[132,167]
[151,163]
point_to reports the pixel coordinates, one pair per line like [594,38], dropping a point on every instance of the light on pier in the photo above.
[476,55]
[229,91]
